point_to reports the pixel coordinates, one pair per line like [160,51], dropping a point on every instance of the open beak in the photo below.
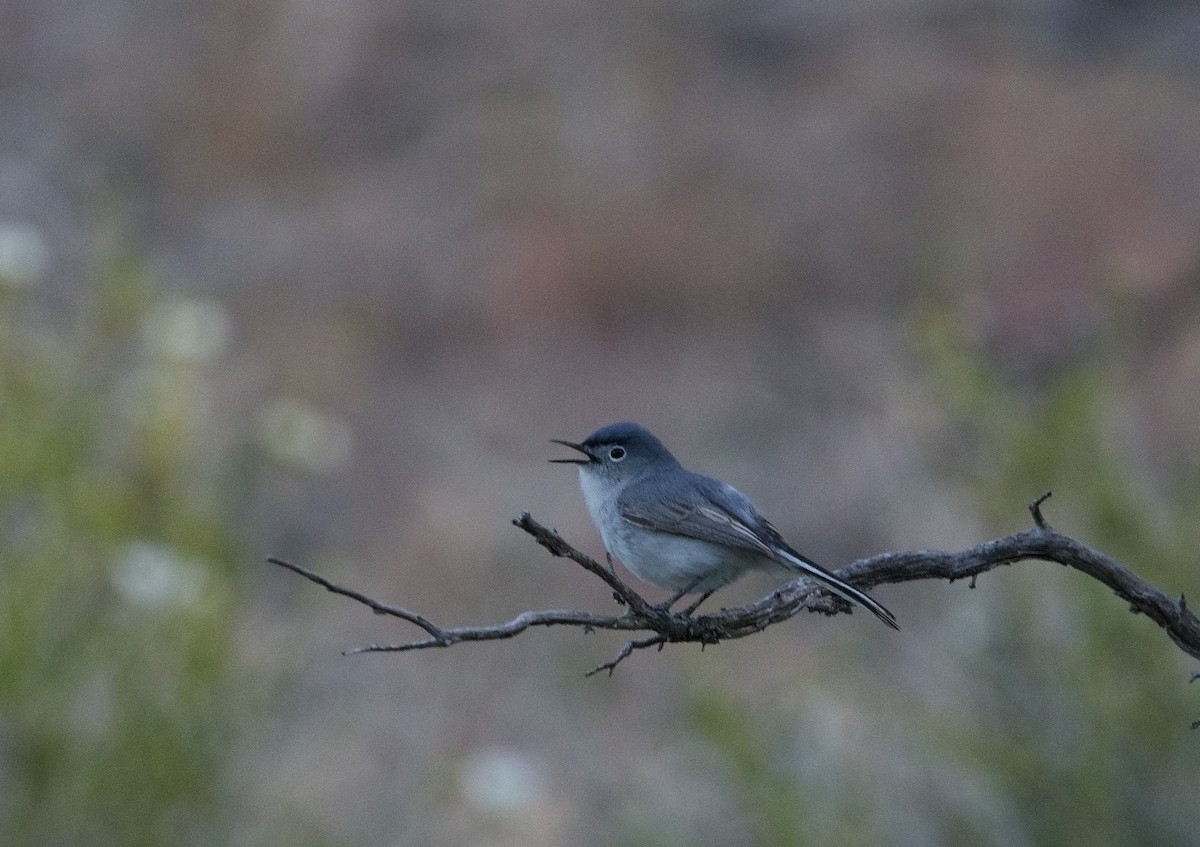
[587,457]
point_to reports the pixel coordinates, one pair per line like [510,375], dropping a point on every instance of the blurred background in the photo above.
[320,280]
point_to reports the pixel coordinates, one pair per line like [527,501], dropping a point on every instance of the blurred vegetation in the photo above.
[1067,719]
[1101,692]
[120,698]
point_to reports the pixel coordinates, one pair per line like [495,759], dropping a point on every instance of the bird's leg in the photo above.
[688,611]
[612,569]
[687,589]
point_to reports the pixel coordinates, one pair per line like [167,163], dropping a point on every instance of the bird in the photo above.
[679,530]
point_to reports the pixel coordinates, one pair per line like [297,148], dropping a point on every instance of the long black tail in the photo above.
[837,586]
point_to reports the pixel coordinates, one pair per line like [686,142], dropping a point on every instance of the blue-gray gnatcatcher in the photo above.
[680,530]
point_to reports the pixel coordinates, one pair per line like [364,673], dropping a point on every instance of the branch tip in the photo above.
[1035,509]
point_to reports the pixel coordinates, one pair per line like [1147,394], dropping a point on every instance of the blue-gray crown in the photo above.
[633,437]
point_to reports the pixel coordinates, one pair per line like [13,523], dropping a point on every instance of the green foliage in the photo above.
[765,788]
[120,698]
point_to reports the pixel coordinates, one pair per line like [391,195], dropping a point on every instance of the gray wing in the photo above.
[718,513]
[700,508]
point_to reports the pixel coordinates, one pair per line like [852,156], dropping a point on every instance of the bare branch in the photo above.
[1041,542]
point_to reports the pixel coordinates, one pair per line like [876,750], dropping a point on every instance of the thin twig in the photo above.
[1035,509]
[626,649]
[440,635]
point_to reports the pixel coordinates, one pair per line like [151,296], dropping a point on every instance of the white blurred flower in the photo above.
[151,574]
[502,781]
[23,255]
[299,435]
[187,330]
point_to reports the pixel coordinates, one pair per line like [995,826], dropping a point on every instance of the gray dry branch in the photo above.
[663,626]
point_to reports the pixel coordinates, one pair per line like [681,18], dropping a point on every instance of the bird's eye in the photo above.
[616,454]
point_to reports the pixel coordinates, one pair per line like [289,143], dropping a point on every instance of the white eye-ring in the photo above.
[616,454]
